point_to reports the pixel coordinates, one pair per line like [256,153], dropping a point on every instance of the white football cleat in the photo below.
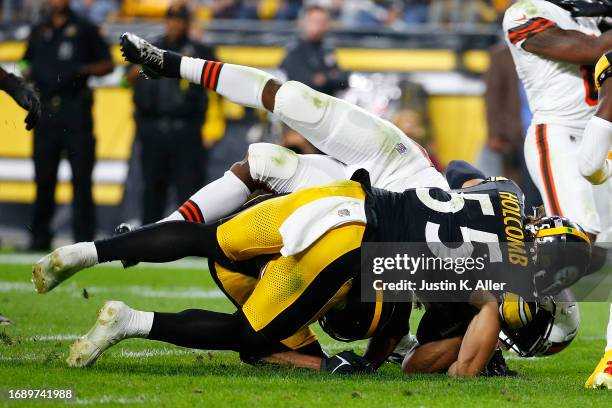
[59,265]
[112,326]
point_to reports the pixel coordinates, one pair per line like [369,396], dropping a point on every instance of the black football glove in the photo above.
[25,95]
[122,229]
[346,362]
[497,366]
[581,8]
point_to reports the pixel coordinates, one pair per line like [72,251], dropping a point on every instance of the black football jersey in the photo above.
[487,219]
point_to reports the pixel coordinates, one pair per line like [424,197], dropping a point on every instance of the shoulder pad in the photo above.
[603,69]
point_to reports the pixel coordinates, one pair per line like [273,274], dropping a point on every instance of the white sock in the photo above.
[140,324]
[81,254]
[609,335]
[213,201]
[240,84]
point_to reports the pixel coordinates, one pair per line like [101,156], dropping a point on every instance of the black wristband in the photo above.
[172,64]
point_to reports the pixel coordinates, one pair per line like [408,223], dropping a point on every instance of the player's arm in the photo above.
[480,339]
[346,362]
[461,174]
[571,46]
[24,94]
[593,156]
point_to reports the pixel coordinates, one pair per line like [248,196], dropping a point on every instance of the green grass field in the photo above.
[141,373]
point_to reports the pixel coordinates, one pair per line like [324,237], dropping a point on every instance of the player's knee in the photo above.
[252,342]
[242,171]
[298,102]
[272,165]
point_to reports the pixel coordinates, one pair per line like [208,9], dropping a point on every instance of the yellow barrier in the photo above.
[350,59]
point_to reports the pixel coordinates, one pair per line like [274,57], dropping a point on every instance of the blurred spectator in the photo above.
[95,10]
[62,53]
[313,62]
[169,117]
[506,110]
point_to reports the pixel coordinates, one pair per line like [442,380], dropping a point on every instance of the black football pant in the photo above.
[52,141]
[172,154]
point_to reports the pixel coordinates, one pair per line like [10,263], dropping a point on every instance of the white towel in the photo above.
[309,222]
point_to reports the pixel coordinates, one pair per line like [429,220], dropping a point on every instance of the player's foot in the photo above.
[406,346]
[602,375]
[5,321]
[139,51]
[59,265]
[111,327]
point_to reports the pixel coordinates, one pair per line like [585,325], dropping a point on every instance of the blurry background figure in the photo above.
[169,117]
[508,117]
[313,62]
[62,53]
[95,10]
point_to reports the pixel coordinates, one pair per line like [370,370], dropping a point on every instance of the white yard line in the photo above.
[54,337]
[109,399]
[136,290]
[187,263]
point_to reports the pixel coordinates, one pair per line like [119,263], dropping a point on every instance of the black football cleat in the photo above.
[139,51]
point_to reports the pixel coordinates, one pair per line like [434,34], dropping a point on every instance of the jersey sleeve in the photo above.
[603,69]
[522,22]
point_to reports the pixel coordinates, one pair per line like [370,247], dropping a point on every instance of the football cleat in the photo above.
[110,328]
[61,264]
[139,51]
[602,375]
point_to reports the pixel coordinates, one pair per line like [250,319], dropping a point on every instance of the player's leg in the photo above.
[602,375]
[251,233]
[293,292]
[238,281]
[338,128]
[267,166]
[552,160]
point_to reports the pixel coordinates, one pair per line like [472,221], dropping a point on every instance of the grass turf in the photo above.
[142,373]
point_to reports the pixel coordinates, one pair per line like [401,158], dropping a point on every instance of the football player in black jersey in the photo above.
[298,288]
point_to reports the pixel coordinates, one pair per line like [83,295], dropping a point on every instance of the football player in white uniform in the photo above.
[594,163]
[352,137]
[554,54]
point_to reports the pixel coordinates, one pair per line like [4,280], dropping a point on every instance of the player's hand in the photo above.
[581,8]
[346,362]
[25,95]
[123,228]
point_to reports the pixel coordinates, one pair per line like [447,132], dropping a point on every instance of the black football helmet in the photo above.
[356,320]
[552,326]
[561,254]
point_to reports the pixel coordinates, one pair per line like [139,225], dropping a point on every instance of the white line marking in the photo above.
[136,290]
[109,399]
[54,337]
[187,263]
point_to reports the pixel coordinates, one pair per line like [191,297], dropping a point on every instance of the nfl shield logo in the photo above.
[401,148]
[344,212]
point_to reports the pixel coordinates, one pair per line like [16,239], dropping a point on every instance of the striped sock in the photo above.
[240,84]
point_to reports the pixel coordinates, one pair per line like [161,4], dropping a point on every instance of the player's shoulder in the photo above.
[528,11]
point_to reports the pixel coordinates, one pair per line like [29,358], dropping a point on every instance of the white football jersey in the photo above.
[558,92]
